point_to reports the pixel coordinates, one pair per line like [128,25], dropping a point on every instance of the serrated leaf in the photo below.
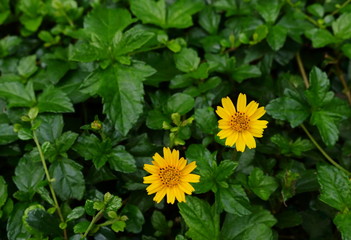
[15,228]
[7,135]
[17,94]
[118,226]
[37,218]
[54,100]
[209,20]
[135,218]
[28,174]
[288,109]
[316,9]
[76,213]
[342,222]
[234,200]
[155,119]
[342,26]
[83,52]
[202,221]
[81,227]
[150,11]
[320,37]
[245,71]
[179,13]
[122,161]
[50,128]
[263,186]
[65,141]
[114,204]
[325,122]
[247,224]
[206,120]
[335,187]
[105,22]
[158,221]
[268,9]
[317,94]
[27,66]
[187,60]
[276,37]
[122,92]
[68,179]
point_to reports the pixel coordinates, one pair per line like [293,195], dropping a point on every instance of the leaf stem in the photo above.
[48,178]
[342,6]
[323,152]
[302,70]
[93,221]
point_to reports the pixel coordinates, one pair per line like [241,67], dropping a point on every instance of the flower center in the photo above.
[239,122]
[170,176]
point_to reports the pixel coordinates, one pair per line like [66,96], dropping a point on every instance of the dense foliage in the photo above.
[90,90]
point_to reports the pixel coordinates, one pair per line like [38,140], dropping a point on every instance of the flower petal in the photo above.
[167,155]
[222,113]
[170,196]
[160,195]
[228,105]
[230,141]
[259,113]
[151,179]
[251,108]
[224,124]
[161,162]
[151,168]
[249,139]
[258,123]
[154,187]
[186,187]
[225,133]
[194,178]
[189,168]
[181,164]
[241,103]
[240,143]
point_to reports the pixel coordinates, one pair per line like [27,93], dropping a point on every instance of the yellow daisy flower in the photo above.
[170,176]
[240,125]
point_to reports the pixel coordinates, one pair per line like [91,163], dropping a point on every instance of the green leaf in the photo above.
[325,122]
[113,204]
[158,221]
[105,22]
[263,186]
[54,100]
[8,45]
[259,232]
[27,66]
[316,9]
[342,222]
[155,119]
[209,20]
[37,218]
[201,219]
[320,37]
[65,142]
[342,26]
[4,10]
[335,187]
[76,213]
[118,226]
[276,37]
[83,52]
[17,94]
[179,13]
[317,94]
[268,9]
[187,60]
[180,103]
[68,179]
[234,200]
[245,71]
[81,227]
[150,11]
[50,128]
[131,40]
[31,23]
[7,135]
[248,225]
[288,109]
[288,147]
[122,161]
[135,218]
[206,120]
[122,92]
[28,174]
[3,191]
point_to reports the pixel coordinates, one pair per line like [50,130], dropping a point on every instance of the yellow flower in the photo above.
[170,176]
[240,125]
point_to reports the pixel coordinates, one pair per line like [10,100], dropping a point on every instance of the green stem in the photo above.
[48,178]
[342,6]
[305,15]
[302,70]
[93,221]
[323,152]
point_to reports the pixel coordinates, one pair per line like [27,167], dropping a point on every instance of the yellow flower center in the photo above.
[170,176]
[239,122]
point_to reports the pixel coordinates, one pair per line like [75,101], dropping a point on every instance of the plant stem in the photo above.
[341,76]
[323,152]
[302,70]
[93,221]
[48,178]
[342,6]
[305,15]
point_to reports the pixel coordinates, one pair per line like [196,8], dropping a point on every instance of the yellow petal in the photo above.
[240,144]
[223,124]
[167,155]
[178,194]
[251,108]
[225,133]
[228,105]
[186,187]
[249,139]
[258,123]
[175,157]
[222,113]
[259,113]
[151,179]
[161,162]
[151,168]
[154,187]
[241,103]
[170,196]
[194,178]
[181,163]
[189,168]
[230,141]
[160,195]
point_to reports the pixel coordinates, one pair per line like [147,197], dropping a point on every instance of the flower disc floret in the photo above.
[171,176]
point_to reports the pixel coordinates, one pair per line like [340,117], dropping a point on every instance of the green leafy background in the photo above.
[95,88]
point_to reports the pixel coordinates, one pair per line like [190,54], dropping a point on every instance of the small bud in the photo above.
[96,125]
[33,113]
